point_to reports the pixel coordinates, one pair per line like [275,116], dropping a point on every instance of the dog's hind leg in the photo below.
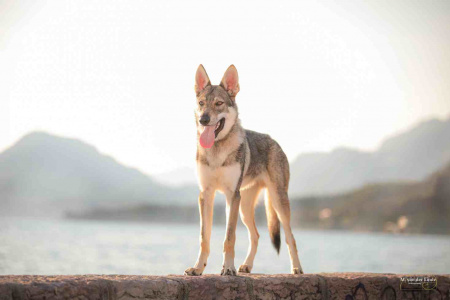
[280,201]
[247,210]
[206,204]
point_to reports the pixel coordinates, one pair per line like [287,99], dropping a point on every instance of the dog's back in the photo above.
[267,155]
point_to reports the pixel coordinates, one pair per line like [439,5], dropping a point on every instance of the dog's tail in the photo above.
[273,223]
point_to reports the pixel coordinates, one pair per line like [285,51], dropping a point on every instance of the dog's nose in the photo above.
[204,120]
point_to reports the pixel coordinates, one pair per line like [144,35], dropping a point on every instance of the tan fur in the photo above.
[240,164]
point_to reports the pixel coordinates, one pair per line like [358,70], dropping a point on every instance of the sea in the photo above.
[62,246]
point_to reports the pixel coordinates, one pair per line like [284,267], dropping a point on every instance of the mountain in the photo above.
[411,155]
[411,207]
[46,174]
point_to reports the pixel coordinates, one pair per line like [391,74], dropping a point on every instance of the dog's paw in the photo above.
[245,269]
[193,272]
[297,271]
[228,271]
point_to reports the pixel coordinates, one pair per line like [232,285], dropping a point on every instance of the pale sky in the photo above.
[315,75]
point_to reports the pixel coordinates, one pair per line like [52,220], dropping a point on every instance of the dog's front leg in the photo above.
[233,201]
[206,204]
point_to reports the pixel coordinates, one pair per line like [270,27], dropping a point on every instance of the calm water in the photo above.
[31,246]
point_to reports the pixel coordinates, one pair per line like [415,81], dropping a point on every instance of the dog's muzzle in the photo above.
[210,132]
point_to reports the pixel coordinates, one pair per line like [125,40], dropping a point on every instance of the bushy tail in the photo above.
[273,223]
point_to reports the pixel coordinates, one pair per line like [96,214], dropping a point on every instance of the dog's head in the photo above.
[216,111]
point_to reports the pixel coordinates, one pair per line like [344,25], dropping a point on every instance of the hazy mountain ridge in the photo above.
[411,155]
[412,207]
[44,173]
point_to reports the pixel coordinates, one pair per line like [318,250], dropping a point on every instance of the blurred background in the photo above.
[98,139]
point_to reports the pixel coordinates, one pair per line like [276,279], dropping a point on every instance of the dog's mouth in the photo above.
[219,127]
[210,132]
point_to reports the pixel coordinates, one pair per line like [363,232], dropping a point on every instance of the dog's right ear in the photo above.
[201,79]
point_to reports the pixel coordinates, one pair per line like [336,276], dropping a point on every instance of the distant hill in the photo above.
[411,155]
[412,207]
[46,174]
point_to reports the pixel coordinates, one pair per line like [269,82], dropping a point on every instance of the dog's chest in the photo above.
[214,172]
[216,160]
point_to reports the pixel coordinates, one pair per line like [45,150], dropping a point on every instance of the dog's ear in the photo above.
[201,79]
[230,81]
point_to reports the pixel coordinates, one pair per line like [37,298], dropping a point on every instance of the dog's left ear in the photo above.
[230,81]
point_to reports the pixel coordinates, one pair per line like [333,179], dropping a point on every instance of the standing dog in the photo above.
[238,163]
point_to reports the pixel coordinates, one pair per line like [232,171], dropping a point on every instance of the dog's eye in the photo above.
[201,103]
[219,103]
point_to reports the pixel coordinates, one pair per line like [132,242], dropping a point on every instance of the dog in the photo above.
[239,163]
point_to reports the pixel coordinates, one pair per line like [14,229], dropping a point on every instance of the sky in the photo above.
[315,75]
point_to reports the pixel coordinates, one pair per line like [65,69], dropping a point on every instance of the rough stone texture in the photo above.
[254,286]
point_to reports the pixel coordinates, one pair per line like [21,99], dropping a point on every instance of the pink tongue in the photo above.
[207,137]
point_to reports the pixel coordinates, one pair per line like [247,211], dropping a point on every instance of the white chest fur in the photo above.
[223,179]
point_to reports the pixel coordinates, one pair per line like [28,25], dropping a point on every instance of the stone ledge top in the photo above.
[30,279]
[243,286]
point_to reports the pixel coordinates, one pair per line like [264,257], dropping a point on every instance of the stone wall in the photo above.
[255,286]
